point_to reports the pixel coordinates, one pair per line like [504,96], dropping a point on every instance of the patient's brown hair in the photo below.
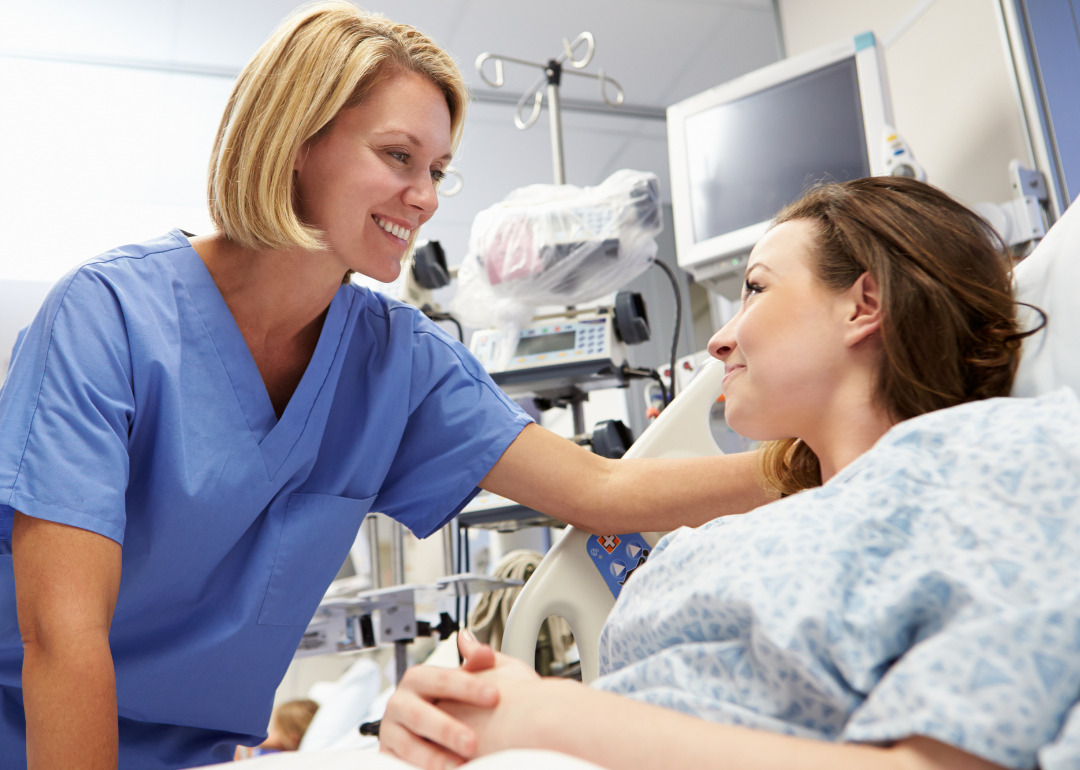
[949,333]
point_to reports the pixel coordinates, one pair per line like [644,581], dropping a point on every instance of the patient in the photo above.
[913,601]
[288,723]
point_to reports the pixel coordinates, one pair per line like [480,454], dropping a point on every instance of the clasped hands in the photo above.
[440,717]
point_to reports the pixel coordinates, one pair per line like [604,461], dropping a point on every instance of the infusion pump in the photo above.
[579,349]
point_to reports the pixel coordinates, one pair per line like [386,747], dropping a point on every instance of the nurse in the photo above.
[193,428]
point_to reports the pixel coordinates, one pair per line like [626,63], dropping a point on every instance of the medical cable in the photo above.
[670,395]
[634,371]
[435,315]
[468,566]
[462,566]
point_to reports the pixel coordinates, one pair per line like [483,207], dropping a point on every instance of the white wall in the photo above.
[953,94]
[19,300]
[97,157]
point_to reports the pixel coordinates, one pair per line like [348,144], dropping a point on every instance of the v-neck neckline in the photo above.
[275,436]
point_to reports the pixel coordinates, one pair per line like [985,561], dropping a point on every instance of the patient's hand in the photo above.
[415,729]
[522,695]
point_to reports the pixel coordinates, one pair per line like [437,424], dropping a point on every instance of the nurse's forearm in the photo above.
[69,694]
[659,495]
[559,478]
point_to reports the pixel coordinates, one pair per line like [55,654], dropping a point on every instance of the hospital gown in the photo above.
[930,588]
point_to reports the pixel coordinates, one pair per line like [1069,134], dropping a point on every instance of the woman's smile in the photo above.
[731,370]
[398,232]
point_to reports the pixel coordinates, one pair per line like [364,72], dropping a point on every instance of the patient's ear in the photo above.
[864,319]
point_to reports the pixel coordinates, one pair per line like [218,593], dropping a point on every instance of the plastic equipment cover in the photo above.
[557,245]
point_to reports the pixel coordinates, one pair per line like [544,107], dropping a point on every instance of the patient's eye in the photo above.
[750,289]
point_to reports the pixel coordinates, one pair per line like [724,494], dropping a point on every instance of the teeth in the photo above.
[393,229]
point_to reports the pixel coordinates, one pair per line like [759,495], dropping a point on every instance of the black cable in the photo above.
[435,315]
[457,599]
[631,371]
[678,321]
[663,388]
[468,567]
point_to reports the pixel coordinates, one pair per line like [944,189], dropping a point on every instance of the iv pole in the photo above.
[552,78]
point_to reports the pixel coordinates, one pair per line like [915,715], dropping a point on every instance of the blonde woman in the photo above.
[193,428]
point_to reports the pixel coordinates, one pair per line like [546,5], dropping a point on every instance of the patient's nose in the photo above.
[723,342]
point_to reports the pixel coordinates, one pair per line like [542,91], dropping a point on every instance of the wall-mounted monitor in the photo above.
[743,150]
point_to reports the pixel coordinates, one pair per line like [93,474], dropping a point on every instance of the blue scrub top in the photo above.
[133,409]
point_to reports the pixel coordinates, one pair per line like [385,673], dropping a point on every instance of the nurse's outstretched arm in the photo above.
[66,583]
[557,477]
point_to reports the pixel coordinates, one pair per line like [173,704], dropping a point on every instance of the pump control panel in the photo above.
[581,351]
[549,342]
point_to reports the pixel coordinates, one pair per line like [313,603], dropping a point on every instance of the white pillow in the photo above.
[1050,279]
[341,711]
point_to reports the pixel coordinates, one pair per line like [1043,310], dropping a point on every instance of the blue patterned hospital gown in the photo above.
[931,588]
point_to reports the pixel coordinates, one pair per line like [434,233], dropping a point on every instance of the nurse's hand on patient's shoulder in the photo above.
[416,730]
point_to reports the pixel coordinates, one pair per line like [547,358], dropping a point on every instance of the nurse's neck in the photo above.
[279,300]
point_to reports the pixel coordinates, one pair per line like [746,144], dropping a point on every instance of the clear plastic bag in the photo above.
[557,245]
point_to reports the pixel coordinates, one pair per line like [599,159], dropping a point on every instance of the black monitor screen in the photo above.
[750,157]
[545,343]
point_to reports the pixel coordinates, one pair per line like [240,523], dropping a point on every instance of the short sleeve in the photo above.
[999,688]
[459,425]
[65,412]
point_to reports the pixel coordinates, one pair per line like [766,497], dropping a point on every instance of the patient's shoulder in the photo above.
[996,425]
[1006,452]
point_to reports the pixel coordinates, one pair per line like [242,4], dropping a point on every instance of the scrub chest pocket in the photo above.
[316,536]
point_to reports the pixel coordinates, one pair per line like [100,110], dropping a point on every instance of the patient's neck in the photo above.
[849,425]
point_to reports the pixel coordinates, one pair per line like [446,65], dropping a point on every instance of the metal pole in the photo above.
[401,659]
[373,550]
[448,550]
[577,409]
[397,552]
[554,75]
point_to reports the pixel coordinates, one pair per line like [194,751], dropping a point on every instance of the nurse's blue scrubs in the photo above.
[133,409]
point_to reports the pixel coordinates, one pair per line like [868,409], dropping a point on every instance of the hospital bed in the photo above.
[567,583]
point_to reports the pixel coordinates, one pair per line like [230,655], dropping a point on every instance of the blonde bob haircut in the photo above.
[323,59]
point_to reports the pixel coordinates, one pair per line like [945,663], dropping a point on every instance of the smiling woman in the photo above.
[367,181]
[906,307]
[213,417]
[315,69]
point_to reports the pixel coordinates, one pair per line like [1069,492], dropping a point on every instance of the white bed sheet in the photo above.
[517,759]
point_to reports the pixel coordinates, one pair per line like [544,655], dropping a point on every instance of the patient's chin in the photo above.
[747,426]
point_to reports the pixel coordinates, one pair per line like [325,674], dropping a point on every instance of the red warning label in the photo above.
[608,542]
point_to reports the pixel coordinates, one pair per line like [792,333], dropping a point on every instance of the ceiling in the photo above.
[660,50]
